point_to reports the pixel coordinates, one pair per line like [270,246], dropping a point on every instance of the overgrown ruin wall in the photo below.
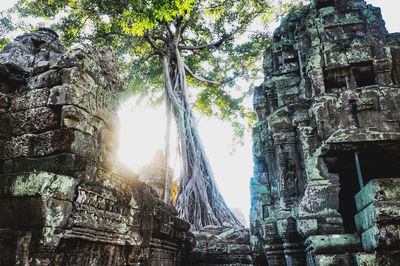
[64,199]
[331,91]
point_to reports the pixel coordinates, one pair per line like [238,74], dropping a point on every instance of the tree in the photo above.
[174,43]
[5,27]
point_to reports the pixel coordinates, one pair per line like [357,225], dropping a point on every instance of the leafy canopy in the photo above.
[208,30]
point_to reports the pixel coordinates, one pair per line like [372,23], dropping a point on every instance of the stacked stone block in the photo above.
[331,90]
[64,197]
[378,220]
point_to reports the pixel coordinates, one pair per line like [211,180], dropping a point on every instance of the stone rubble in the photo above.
[221,245]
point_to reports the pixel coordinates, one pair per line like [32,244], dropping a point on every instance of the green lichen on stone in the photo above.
[56,212]
[365,259]
[314,114]
[226,233]
[376,190]
[307,226]
[44,183]
[370,239]
[133,203]
[32,184]
[326,260]
[323,244]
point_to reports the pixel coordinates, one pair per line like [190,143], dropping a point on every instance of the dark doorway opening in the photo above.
[380,160]
[324,3]
[364,74]
[278,61]
[342,163]
[335,80]
[377,160]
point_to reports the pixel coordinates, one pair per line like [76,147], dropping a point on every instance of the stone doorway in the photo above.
[377,160]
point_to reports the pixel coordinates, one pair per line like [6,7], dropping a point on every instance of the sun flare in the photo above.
[141,134]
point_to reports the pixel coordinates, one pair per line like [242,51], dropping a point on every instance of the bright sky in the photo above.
[142,133]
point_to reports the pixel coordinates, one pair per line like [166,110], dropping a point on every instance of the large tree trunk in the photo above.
[167,184]
[198,201]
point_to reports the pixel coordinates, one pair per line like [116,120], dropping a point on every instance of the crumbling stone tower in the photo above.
[64,198]
[331,96]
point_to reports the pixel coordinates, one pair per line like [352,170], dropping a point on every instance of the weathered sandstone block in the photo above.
[64,197]
[330,95]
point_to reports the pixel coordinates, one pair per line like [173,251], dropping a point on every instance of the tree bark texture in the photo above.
[167,183]
[198,201]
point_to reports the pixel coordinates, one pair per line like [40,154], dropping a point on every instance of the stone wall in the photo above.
[153,173]
[331,92]
[64,198]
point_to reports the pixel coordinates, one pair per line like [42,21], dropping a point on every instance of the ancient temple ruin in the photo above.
[331,97]
[325,189]
[64,198]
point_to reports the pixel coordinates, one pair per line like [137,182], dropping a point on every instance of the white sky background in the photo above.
[144,133]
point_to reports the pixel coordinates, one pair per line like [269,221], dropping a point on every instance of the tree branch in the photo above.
[224,4]
[178,31]
[192,16]
[198,78]
[153,44]
[201,55]
[168,29]
[161,38]
[212,45]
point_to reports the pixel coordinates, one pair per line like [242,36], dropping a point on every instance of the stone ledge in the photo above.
[333,244]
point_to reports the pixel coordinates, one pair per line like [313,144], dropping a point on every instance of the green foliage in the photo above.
[133,16]
[129,25]
[5,27]
[140,16]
